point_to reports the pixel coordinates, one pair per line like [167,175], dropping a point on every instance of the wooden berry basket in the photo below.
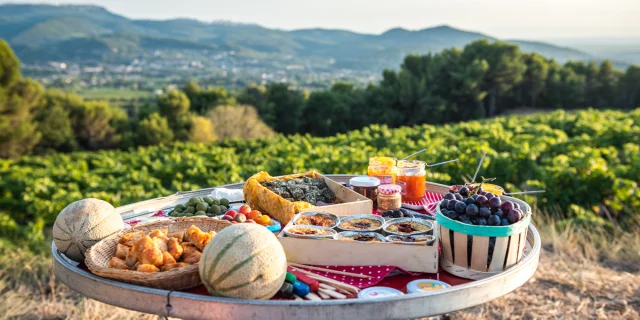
[98,256]
[508,248]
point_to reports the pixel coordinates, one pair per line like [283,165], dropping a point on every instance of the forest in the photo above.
[482,80]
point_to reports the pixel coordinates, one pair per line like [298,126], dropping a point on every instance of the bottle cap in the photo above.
[364,181]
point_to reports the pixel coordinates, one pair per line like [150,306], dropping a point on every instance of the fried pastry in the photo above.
[167,258]
[122,251]
[130,238]
[168,267]
[147,268]
[117,263]
[174,248]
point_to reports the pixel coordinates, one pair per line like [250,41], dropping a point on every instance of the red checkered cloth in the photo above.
[377,274]
[428,203]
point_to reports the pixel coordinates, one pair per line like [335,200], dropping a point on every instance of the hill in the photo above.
[91,33]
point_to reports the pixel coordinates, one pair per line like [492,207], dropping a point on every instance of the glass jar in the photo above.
[383,168]
[366,186]
[412,177]
[389,197]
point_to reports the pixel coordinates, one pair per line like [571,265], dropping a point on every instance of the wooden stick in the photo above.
[297,297]
[312,296]
[323,295]
[328,287]
[332,294]
[355,275]
[351,289]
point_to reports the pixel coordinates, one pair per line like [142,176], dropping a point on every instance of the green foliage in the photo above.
[203,100]
[9,65]
[18,133]
[174,105]
[154,130]
[588,162]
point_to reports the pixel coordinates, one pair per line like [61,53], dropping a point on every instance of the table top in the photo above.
[194,304]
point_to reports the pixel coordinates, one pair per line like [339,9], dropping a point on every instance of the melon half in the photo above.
[243,261]
[82,224]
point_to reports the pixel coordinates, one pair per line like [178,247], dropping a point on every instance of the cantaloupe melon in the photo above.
[243,261]
[82,224]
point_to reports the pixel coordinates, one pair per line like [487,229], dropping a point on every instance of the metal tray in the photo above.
[195,306]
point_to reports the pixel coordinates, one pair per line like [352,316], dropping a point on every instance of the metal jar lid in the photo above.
[426,285]
[364,181]
[379,292]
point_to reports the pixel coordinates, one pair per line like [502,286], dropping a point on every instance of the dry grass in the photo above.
[582,275]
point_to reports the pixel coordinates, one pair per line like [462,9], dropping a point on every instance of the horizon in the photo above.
[619,27]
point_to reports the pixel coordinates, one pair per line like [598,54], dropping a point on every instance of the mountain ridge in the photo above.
[43,29]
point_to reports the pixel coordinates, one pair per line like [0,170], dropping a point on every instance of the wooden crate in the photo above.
[352,202]
[329,252]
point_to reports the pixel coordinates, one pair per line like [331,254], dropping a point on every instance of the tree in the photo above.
[287,107]
[57,133]
[533,80]
[202,130]
[154,130]
[95,125]
[505,68]
[174,105]
[204,100]
[9,66]
[18,97]
[607,80]
[630,88]
[238,122]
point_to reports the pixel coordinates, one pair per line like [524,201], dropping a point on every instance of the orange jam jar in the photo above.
[412,177]
[383,168]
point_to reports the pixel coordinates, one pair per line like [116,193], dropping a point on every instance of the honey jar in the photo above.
[412,177]
[383,168]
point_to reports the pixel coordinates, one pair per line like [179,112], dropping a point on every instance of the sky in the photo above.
[506,19]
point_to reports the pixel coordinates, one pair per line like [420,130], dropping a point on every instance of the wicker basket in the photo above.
[98,256]
[466,248]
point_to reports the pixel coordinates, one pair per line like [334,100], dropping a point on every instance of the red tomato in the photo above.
[245,209]
[231,213]
[228,218]
[250,221]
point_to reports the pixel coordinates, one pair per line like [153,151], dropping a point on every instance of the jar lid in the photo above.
[426,285]
[379,292]
[364,181]
[389,189]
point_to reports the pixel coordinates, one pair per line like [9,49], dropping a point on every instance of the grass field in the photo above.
[114,94]
[582,275]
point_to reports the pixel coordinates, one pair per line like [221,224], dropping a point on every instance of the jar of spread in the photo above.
[389,197]
[383,168]
[426,285]
[366,186]
[412,177]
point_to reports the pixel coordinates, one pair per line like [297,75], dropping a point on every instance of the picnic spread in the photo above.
[305,238]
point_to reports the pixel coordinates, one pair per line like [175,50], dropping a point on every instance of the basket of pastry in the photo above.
[162,254]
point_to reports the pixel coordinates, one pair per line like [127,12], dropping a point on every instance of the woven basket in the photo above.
[98,256]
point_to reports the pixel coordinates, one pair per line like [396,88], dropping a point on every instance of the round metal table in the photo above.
[194,306]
